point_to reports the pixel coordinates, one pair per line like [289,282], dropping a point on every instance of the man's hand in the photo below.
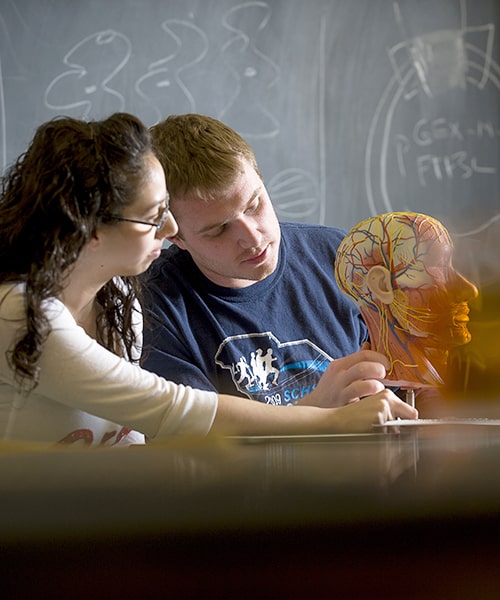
[349,379]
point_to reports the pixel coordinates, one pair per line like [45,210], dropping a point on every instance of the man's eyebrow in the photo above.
[256,192]
[209,228]
[212,226]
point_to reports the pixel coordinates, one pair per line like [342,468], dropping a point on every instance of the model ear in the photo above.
[378,280]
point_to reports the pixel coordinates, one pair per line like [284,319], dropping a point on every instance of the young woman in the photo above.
[82,212]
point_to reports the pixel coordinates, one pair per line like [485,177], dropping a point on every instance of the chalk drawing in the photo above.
[92,62]
[253,72]
[163,84]
[295,195]
[439,150]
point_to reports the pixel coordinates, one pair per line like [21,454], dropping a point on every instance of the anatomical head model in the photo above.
[397,267]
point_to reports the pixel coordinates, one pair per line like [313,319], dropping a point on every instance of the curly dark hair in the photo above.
[72,178]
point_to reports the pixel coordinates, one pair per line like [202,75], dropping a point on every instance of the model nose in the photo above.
[463,289]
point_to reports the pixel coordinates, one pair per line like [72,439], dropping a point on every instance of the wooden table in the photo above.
[410,514]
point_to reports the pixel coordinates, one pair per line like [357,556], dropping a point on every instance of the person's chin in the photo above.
[140,268]
[461,337]
[263,272]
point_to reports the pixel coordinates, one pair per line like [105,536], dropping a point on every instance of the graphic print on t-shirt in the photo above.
[267,370]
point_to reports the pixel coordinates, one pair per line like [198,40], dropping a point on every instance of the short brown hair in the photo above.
[200,155]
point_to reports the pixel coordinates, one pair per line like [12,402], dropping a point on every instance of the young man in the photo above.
[240,303]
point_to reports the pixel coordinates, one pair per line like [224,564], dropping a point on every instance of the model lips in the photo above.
[461,316]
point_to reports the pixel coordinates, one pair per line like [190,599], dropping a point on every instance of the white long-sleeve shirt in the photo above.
[86,393]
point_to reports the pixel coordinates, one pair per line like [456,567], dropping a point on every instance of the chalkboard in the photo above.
[353,107]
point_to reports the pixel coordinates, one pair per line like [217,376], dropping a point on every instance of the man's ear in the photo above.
[378,280]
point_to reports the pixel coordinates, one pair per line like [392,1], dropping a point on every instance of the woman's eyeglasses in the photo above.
[159,224]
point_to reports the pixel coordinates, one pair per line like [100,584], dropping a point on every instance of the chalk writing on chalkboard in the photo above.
[248,64]
[247,76]
[352,108]
[422,137]
[164,79]
[84,77]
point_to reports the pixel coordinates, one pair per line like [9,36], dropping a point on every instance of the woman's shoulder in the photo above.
[13,304]
[12,297]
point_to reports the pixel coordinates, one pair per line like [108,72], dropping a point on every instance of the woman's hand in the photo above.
[375,409]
